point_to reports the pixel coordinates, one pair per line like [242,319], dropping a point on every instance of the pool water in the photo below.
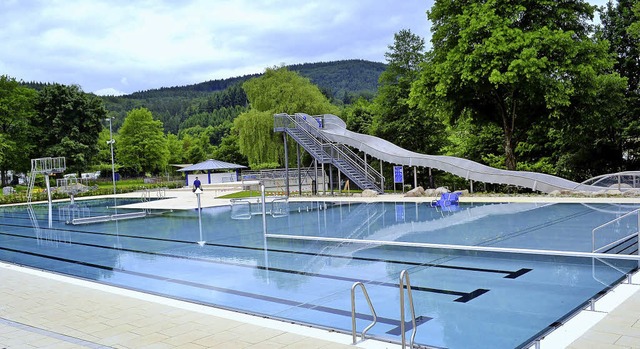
[462,298]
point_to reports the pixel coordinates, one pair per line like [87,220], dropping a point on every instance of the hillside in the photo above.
[352,77]
[338,77]
[342,81]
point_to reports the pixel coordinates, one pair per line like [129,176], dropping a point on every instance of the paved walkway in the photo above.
[618,329]
[44,310]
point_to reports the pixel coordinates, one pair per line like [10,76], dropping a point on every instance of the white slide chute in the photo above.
[335,130]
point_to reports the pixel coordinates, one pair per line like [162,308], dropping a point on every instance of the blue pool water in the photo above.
[462,298]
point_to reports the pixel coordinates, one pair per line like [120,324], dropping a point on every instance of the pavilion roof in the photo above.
[211,164]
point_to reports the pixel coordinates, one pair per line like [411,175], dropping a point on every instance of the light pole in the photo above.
[113,166]
[198,193]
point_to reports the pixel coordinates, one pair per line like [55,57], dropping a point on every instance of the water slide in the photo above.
[335,130]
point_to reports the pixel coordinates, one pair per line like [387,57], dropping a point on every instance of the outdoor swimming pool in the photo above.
[462,298]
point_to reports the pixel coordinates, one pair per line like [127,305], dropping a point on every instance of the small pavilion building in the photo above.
[213,172]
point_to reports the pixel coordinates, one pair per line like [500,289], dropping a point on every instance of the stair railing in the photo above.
[282,122]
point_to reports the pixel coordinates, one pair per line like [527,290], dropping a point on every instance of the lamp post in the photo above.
[198,192]
[113,166]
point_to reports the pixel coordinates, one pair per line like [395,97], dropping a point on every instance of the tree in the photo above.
[256,139]
[104,148]
[17,109]
[513,64]
[174,146]
[141,145]
[280,90]
[618,23]
[68,124]
[395,119]
[229,151]
[359,116]
[277,91]
[634,28]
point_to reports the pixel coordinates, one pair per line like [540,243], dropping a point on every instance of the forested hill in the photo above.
[340,78]
[180,107]
[335,79]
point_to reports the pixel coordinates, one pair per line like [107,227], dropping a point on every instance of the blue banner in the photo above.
[398,176]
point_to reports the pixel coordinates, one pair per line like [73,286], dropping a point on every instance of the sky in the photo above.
[122,46]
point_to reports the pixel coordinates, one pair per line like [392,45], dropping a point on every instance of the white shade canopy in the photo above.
[211,164]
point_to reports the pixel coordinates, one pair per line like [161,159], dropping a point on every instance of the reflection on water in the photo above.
[464,298]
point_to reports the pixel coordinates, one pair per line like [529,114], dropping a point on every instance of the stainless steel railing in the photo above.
[333,152]
[404,280]
[353,312]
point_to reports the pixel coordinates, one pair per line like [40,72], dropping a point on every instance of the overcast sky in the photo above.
[124,46]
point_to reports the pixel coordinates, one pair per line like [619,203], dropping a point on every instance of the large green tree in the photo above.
[174,146]
[141,145]
[395,120]
[68,124]
[514,64]
[634,28]
[359,115]
[229,151]
[16,135]
[618,21]
[278,90]
[198,142]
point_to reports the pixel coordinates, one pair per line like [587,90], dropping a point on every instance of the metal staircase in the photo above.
[304,129]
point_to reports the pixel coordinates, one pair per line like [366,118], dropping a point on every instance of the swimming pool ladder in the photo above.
[353,311]
[404,277]
[404,282]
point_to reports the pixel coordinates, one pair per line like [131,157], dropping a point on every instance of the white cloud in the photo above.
[109,92]
[129,46]
[121,45]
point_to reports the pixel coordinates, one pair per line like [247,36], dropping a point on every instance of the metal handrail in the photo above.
[350,154]
[404,275]
[327,146]
[593,232]
[145,194]
[353,311]
[320,141]
[276,213]
[249,202]
[340,152]
[235,203]
[278,174]
[367,167]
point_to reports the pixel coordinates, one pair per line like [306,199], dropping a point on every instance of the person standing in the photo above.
[197,184]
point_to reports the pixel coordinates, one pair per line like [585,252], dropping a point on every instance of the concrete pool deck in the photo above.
[46,310]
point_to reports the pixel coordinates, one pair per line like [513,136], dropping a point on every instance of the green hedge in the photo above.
[21,195]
